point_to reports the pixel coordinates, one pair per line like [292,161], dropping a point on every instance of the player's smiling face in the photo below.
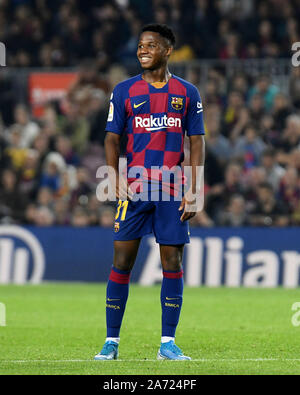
[153,50]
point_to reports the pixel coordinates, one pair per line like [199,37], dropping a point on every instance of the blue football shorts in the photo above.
[135,219]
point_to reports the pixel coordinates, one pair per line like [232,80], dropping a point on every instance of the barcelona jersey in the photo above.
[155,119]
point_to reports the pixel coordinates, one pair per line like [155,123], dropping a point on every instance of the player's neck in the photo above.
[160,75]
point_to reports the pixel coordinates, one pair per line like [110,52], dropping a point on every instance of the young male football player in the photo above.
[155,109]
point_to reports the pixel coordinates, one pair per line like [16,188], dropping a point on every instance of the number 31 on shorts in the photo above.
[124,206]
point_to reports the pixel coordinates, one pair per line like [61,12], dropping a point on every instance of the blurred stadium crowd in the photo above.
[60,33]
[48,165]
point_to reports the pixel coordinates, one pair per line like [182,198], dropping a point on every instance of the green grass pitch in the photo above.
[58,328]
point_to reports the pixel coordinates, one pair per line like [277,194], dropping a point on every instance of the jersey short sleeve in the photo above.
[116,114]
[194,116]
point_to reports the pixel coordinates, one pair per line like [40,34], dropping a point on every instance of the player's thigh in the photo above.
[133,220]
[171,256]
[167,226]
[125,253]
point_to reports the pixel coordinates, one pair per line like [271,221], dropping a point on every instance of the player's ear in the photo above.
[169,51]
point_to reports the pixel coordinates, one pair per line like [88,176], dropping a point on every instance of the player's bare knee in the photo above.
[121,265]
[122,261]
[172,263]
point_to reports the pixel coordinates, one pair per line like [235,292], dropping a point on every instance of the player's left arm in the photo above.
[197,158]
[195,131]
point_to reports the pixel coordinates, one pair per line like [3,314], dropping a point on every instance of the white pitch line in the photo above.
[155,360]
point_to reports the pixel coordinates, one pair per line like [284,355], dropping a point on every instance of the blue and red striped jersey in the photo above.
[155,120]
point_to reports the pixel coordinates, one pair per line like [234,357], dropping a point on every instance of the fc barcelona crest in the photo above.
[117,227]
[177,103]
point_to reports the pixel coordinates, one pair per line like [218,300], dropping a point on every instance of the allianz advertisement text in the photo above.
[250,257]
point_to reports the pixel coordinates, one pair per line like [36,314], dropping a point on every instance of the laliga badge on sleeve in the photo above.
[111,112]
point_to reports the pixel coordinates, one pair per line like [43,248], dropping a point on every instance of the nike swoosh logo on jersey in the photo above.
[111,300]
[138,105]
[171,298]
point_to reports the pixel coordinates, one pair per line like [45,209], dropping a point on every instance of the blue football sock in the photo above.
[116,298]
[171,301]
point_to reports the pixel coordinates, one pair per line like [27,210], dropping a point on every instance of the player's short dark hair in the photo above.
[164,30]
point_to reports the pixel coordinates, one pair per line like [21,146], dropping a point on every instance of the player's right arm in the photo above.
[114,128]
[112,153]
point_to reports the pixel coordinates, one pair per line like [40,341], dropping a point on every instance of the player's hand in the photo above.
[189,209]
[123,191]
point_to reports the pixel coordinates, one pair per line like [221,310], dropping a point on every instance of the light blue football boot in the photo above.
[170,351]
[108,352]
